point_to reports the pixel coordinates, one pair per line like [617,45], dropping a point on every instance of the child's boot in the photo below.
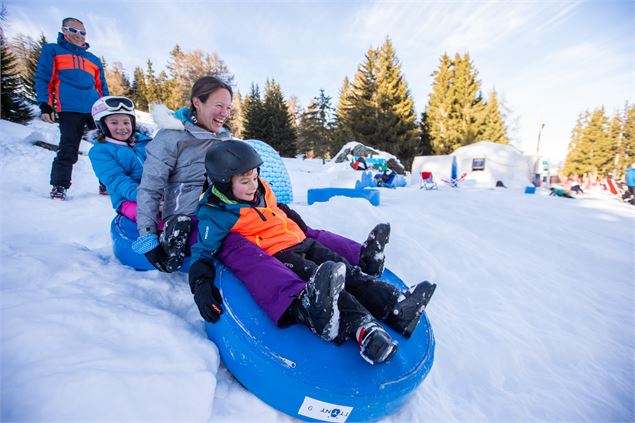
[320,298]
[173,239]
[371,257]
[375,344]
[406,313]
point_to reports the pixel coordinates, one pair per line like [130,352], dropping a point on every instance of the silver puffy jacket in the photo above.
[175,170]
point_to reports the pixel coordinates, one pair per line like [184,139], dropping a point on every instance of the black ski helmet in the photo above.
[229,158]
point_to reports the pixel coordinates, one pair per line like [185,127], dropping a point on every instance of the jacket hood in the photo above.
[70,46]
[181,120]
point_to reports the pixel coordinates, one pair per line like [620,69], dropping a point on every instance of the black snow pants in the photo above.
[363,298]
[71,130]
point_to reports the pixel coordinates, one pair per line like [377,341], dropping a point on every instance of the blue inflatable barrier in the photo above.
[325,194]
[292,369]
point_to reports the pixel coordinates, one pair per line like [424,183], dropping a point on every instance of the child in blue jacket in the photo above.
[118,155]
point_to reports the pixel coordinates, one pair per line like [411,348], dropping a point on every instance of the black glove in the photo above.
[157,258]
[206,296]
[46,108]
[293,215]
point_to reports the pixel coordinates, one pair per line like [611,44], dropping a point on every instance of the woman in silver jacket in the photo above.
[174,173]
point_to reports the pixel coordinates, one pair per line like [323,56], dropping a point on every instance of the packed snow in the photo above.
[534,315]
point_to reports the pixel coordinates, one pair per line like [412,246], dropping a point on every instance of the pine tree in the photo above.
[138,90]
[493,128]
[316,129]
[253,114]
[362,114]
[600,145]
[185,67]
[425,142]
[152,85]
[117,80]
[277,129]
[236,117]
[467,114]
[376,108]
[628,138]
[13,105]
[439,107]
[343,132]
[456,111]
[397,121]
[588,151]
[28,79]
[615,135]
[573,162]
[27,53]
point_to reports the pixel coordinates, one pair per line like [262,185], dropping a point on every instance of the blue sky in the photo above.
[548,60]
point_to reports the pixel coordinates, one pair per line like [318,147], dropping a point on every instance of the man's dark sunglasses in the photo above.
[118,103]
[74,30]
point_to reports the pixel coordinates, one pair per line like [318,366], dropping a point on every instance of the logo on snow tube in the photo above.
[324,411]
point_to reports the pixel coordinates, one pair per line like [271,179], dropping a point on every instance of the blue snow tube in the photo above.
[123,232]
[297,373]
[292,369]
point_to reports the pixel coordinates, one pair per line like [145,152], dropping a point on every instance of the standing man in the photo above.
[68,80]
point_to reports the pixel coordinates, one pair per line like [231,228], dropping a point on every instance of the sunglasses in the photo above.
[74,30]
[118,103]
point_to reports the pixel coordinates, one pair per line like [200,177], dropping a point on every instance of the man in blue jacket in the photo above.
[68,80]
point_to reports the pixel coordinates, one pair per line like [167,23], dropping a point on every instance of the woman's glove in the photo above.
[206,296]
[149,246]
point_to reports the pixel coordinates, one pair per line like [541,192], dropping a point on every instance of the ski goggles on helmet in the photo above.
[119,103]
[75,30]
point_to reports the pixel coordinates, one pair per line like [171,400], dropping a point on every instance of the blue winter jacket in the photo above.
[630,177]
[69,77]
[119,168]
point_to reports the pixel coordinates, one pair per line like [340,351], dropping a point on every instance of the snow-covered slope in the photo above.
[533,317]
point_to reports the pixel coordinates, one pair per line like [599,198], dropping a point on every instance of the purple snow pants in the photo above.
[275,292]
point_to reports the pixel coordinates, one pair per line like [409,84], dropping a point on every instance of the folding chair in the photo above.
[427,181]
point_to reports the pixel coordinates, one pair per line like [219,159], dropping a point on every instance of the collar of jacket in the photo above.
[70,46]
[181,120]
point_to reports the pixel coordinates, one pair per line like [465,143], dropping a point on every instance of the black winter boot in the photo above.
[173,239]
[371,257]
[320,299]
[58,192]
[375,344]
[407,312]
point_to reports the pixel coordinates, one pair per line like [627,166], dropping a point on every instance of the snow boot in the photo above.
[102,189]
[173,239]
[406,313]
[58,192]
[371,257]
[375,344]
[319,300]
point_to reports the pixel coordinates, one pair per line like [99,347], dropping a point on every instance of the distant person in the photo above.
[68,80]
[560,192]
[630,183]
[575,187]
[118,155]
[340,300]
[359,163]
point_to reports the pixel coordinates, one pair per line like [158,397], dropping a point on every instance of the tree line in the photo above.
[374,107]
[602,145]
